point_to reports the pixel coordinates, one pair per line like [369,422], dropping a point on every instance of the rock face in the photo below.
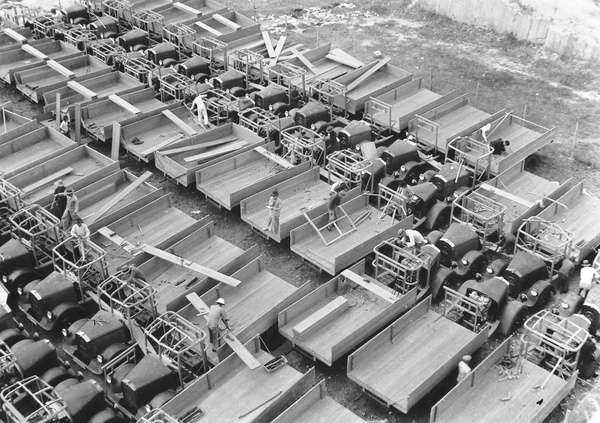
[567,28]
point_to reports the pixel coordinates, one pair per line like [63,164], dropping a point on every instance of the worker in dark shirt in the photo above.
[507,243]
[132,273]
[499,146]
[334,203]
[331,141]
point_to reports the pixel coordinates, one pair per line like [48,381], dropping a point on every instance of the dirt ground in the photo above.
[498,71]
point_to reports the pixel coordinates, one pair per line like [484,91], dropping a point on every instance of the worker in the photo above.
[59,201]
[463,368]
[64,127]
[334,203]
[274,212]
[588,275]
[331,141]
[412,239]
[404,189]
[215,315]
[507,243]
[587,364]
[338,186]
[485,130]
[71,210]
[133,273]
[499,146]
[81,233]
[563,275]
[202,114]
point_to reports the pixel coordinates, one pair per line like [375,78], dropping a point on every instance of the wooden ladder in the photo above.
[333,224]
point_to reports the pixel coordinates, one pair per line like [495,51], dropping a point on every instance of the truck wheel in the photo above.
[512,317]
[11,336]
[118,376]
[107,415]
[161,399]
[56,375]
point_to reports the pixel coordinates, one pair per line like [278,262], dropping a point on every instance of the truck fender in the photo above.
[11,336]
[20,277]
[464,288]
[26,289]
[237,92]
[119,375]
[443,277]
[65,384]
[66,314]
[434,236]
[438,216]
[112,351]
[512,317]
[280,108]
[161,399]
[471,263]
[69,333]
[56,375]
[108,415]
[496,268]
[538,295]
[320,126]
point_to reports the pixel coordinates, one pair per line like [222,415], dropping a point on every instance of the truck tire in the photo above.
[512,317]
[56,375]
[161,399]
[108,415]
[11,336]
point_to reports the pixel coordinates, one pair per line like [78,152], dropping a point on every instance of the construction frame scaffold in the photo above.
[88,271]
[214,51]
[250,64]
[351,167]
[31,400]
[324,91]
[303,145]
[471,154]
[484,215]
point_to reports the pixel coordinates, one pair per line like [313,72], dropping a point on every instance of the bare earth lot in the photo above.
[497,70]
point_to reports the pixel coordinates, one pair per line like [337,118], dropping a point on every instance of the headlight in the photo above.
[464,261]
[100,358]
[148,408]
[108,379]
[533,293]
[49,315]
[402,168]
[65,332]
[20,290]
[270,107]
[422,177]
[564,305]
[489,270]
[4,279]
[313,127]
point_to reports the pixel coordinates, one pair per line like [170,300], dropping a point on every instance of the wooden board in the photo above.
[304,61]
[268,43]
[175,119]
[119,197]
[161,144]
[50,178]
[60,69]
[208,28]
[320,318]
[274,157]
[203,270]
[223,20]
[124,104]
[376,289]
[86,92]
[216,152]
[178,150]
[368,73]
[278,50]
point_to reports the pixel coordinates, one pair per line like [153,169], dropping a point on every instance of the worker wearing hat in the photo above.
[198,103]
[132,273]
[588,275]
[411,239]
[81,233]
[215,315]
[463,368]
[71,210]
[274,207]
[59,202]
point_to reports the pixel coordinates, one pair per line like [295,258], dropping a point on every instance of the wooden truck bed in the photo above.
[119,186]
[435,128]
[26,151]
[207,7]
[99,87]
[77,168]
[98,117]
[411,356]
[10,121]
[525,139]
[577,211]
[395,108]
[14,38]
[173,282]
[332,320]
[305,190]
[158,224]
[252,306]
[158,129]
[231,180]
[316,407]
[481,397]
[28,57]
[231,392]
[368,81]
[215,145]
[225,26]
[334,257]
[521,191]
[33,83]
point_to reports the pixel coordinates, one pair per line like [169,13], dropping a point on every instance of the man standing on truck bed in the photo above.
[334,203]
[72,209]
[202,114]
[215,315]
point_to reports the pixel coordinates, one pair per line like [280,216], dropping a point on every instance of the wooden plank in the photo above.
[139,181]
[119,240]
[178,150]
[184,126]
[229,338]
[222,19]
[161,144]
[86,92]
[203,270]
[208,28]
[507,195]
[187,9]
[15,35]
[274,157]
[78,123]
[50,178]
[60,69]
[216,152]
[344,60]
[116,141]
[278,49]
[268,43]
[124,104]
[320,318]
[34,52]
[375,289]
[304,60]
[368,73]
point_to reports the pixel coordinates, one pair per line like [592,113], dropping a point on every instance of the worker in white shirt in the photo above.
[64,127]
[82,234]
[412,239]
[588,276]
[463,368]
[202,114]
[216,314]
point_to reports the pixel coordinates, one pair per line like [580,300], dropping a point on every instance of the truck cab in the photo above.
[399,153]
[423,204]
[527,275]
[25,358]
[460,244]
[449,179]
